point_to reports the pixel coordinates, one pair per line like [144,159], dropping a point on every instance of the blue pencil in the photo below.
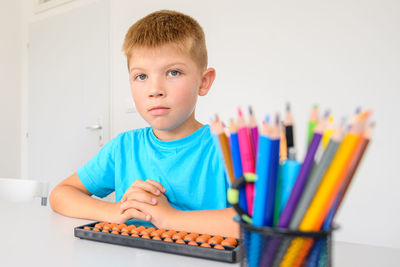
[261,190]
[262,172]
[237,162]
[272,179]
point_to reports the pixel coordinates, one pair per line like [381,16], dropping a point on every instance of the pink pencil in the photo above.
[253,132]
[246,154]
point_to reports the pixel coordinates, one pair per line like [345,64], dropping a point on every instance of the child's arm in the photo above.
[71,198]
[163,215]
[205,221]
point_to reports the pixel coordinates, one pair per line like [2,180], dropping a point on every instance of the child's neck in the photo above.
[179,132]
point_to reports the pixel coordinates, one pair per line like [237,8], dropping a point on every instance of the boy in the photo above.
[169,173]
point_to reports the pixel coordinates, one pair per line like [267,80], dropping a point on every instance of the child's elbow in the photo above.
[53,198]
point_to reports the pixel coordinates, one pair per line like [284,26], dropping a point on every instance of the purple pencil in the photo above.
[301,180]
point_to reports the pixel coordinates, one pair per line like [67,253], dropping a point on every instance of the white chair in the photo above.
[22,190]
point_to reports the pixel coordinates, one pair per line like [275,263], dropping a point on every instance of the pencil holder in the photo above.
[268,246]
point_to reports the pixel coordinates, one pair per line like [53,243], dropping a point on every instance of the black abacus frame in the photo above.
[231,255]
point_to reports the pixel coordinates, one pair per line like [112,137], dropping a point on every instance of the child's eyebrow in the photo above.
[135,69]
[175,64]
[180,64]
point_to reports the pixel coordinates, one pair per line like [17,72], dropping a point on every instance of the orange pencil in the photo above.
[225,149]
[283,151]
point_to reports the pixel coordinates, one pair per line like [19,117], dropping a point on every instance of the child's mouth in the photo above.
[158,111]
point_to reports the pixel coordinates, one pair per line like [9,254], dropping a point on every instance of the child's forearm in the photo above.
[205,221]
[72,201]
[68,201]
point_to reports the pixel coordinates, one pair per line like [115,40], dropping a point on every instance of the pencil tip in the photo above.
[277,119]
[239,112]
[287,106]
[267,119]
[250,110]
[358,110]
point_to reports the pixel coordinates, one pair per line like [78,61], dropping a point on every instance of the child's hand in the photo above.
[140,192]
[160,214]
[143,191]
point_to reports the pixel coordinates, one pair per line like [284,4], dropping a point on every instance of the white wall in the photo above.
[338,54]
[10,94]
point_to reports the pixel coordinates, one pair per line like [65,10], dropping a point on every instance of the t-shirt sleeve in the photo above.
[98,175]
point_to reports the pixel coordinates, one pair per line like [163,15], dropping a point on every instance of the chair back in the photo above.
[23,190]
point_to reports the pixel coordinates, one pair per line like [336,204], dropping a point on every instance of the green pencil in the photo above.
[312,122]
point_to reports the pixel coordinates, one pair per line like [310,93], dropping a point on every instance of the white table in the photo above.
[32,235]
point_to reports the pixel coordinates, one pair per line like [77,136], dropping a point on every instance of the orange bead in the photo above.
[137,230]
[168,233]
[192,243]
[229,241]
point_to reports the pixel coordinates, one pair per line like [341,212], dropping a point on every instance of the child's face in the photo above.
[165,83]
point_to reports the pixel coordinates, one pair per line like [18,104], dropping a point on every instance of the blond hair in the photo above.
[167,27]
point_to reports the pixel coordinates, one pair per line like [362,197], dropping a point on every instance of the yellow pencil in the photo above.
[328,132]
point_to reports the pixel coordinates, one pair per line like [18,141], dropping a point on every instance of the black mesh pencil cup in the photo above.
[268,246]
[271,246]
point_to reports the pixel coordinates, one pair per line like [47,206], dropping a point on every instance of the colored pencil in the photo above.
[312,123]
[261,190]
[247,158]
[321,149]
[288,123]
[283,153]
[262,171]
[355,162]
[333,177]
[315,179]
[253,131]
[328,132]
[273,173]
[236,162]
[225,148]
[301,180]
[287,175]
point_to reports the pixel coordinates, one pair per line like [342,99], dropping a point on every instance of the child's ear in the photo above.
[207,80]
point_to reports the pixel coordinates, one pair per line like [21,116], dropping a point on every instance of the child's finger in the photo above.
[157,184]
[128,192]
[141,196]
[146,186]
[134,213]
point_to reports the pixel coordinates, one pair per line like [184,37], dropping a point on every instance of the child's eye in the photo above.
[174,73]
[141,77]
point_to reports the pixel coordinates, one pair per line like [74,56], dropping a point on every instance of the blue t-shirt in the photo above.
[190,169]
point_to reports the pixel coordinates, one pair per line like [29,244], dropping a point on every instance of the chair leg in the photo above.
[44,201]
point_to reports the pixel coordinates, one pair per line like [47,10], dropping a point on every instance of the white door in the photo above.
[68,91]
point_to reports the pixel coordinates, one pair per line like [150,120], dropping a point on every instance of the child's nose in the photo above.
[156,89]
[156,93]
